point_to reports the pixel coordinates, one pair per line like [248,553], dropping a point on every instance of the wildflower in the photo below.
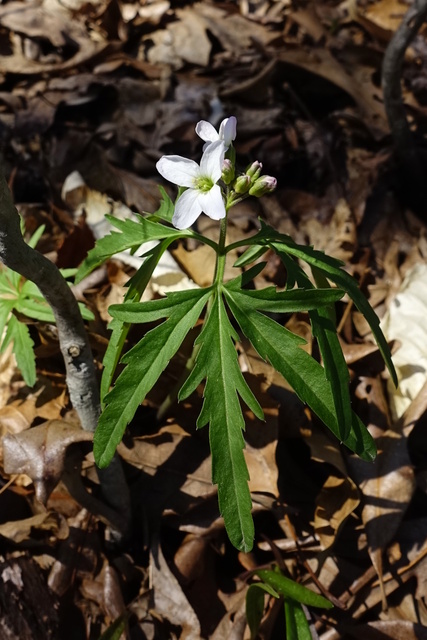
[264,184]
[202,193]
[227,132]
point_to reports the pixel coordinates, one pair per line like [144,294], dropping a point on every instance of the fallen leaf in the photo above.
[20,530]
[40,453]
[169,599]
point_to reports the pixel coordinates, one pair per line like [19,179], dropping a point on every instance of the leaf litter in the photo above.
[101,91]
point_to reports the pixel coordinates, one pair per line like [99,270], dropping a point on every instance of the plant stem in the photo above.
[73,340]
[406,150]
[218,276]
[221,255]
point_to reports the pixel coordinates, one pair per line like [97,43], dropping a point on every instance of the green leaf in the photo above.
[165,210]
[32,242]
[291,589]
[281,348]
[22,348]
[145,361]
[132,234]
[116,629]
[332,269]
[217,363]
[297,627]
[6,307]
[36,309]
[251,254]
[255,605]
[119,330]
[324,330]
[271,300]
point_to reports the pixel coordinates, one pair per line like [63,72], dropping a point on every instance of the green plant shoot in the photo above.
[21,299]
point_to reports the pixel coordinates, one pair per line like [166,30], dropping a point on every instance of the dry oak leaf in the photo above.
[40,453]
[19,530]
[387,486]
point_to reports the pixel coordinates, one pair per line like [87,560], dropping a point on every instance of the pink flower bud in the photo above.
[227,171]
[264,184]
[254,170]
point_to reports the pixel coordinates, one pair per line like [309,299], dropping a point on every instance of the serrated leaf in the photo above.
[166,208]
[255,605]
[145,361]
[131,235]
[332,269]
[297,627]
[292,301]
[291,589]
[6,307]
[250,255]
[38,310]
[324,330]
[280,347]
[119,330]
[18,333]
[217,363]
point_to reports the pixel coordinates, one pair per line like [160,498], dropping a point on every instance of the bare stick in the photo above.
[80,370]
[405,147]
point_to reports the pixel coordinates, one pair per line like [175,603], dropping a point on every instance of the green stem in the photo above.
[218,277]
[221,255]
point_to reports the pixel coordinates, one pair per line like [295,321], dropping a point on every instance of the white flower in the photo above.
[202,194]
[227,132]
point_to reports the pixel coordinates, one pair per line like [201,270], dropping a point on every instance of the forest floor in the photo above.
[92,94]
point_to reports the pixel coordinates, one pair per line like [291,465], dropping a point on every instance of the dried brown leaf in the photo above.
[170,601]
[40,452]
[336,501]
[20,530]
[387,486]
[392,629]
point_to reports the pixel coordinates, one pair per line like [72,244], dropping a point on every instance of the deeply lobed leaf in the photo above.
[131,235]
[145,361]
[281,348]
[217,363]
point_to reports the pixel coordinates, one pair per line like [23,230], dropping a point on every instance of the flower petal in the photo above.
[212,203]
[179,170]
[206,131]
[212,159]
[187,209]
[227,130]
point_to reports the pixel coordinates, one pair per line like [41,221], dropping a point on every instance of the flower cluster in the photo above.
[203,193]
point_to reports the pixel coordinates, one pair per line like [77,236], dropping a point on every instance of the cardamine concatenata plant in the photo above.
[224,308]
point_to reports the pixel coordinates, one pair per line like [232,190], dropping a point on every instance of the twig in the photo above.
[80,370]
[405,148]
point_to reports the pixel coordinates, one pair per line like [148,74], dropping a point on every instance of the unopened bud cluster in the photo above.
[249,183]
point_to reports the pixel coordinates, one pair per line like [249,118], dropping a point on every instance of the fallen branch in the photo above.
[80,370]
[405,146]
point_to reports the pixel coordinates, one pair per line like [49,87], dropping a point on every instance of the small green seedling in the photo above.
[18,298]
[294,596]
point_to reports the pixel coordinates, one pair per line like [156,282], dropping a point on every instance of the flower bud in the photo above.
[242,184]
[254,170]
[264,184]
[227,171]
